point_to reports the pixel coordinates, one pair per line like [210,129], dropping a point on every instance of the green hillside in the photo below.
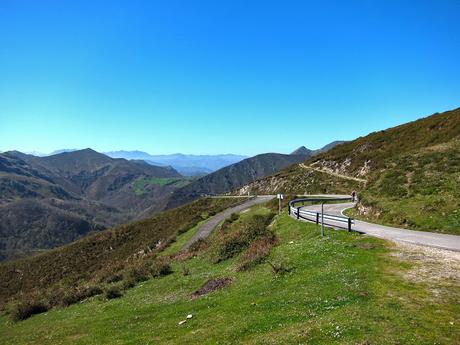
[67,274]
[255,283]
[408,176]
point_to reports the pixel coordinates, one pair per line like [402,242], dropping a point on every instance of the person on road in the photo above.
[353,196]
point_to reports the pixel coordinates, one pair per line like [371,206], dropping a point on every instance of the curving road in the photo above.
[206,228]
[444,241]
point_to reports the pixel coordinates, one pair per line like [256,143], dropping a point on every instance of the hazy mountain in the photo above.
[129,155]
[55,152]
[186,164]
[48,201]
[328,147]
[302,150]
[35,153]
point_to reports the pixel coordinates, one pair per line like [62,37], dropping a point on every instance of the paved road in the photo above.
[444,241]
[206,228]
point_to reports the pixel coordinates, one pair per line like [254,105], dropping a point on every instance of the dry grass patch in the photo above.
[212,285]
[439,269]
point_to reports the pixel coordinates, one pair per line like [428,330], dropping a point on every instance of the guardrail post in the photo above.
[322,219]
[317,217]
[349,224]
[289,210]
[298,212]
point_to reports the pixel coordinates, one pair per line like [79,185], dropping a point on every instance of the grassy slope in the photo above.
[140,184]
[93,258]
[344,289]
[412,173]
[420,190]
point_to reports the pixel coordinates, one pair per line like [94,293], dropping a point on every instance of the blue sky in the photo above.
[220,76]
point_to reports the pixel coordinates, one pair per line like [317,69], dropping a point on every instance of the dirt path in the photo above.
[330,172]
[206,228]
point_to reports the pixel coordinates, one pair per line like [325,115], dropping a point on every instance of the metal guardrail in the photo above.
[319,217]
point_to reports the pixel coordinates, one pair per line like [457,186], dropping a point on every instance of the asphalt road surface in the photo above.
[444,241]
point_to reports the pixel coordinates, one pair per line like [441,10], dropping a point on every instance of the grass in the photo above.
[342,289]
[140,184]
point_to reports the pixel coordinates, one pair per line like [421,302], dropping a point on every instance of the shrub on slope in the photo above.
[101,256]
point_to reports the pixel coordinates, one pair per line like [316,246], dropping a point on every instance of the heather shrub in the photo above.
[138,274]
[73,296]
[114,278]
[198,245]
[235,242]
[161,267]
[26,309]
[257,251]
[228,221]
[113,292]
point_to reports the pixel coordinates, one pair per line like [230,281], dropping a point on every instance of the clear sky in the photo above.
[220,76]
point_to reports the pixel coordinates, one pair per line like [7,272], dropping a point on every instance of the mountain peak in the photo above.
[302,150]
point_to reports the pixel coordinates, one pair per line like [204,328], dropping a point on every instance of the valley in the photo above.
[229,172]
[166,254]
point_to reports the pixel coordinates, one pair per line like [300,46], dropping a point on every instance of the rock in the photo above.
[189,316]
[291,242]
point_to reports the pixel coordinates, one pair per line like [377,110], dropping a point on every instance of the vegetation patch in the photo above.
[257,251]
[212,285]
[113,292]
[24,310]
[161,268]
[140,185]
[242,235]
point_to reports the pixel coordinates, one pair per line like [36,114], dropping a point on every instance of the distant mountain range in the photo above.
[239,174]
[55,199]
[234,176]
[49,201]
[188,165]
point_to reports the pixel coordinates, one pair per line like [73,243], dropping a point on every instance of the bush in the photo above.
[160,268]
[253,229]
[230,246]
[183,230]
[24,310]
[256,252]
[114,278]
[113,292]
[279,268]
[138,274]
[198,245]
[128,284]
[76,295]
[228,221]
[185,271]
